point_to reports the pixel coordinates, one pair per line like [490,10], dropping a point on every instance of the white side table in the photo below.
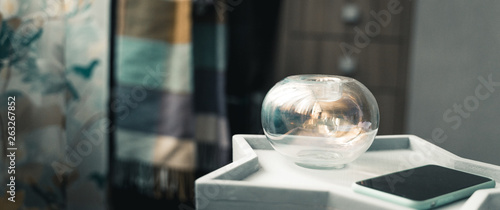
[260,178]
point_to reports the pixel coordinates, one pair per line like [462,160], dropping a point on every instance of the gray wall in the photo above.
[455,43]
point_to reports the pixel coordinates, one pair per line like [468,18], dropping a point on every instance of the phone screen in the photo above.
[424,182]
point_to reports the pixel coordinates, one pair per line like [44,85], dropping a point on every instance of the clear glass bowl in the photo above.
[320,121]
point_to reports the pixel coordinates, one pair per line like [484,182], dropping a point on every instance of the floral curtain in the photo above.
[53,63]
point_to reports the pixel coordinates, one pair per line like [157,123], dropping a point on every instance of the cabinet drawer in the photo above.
[386,104]
[378,65]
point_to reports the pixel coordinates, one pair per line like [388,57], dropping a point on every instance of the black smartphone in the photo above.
[423,187]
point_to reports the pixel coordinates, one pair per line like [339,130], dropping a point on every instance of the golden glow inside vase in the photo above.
[320,121]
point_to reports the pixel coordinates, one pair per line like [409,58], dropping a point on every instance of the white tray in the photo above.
[260,178]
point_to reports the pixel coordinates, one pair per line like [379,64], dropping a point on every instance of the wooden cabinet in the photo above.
[313,36]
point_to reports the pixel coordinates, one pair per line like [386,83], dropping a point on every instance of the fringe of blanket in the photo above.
[154,181]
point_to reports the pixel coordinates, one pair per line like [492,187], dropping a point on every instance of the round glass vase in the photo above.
[320,121]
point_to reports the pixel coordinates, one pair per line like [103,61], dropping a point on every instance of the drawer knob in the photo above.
[351,14]
[347,65]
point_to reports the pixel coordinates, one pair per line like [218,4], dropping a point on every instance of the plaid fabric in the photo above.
[171,110]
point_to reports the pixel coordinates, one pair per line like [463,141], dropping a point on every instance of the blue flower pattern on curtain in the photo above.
[53,59]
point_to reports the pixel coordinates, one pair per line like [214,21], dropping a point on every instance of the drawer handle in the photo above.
[351,14]
[347,65]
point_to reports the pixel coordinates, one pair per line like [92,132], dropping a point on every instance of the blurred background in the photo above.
[124,103]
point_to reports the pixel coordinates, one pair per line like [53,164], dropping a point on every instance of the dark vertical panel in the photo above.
[252,28]
[112,85]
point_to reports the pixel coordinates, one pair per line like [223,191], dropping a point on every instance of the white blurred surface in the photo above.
[454,42]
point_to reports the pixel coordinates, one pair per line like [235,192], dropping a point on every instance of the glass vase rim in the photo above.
[318,78]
